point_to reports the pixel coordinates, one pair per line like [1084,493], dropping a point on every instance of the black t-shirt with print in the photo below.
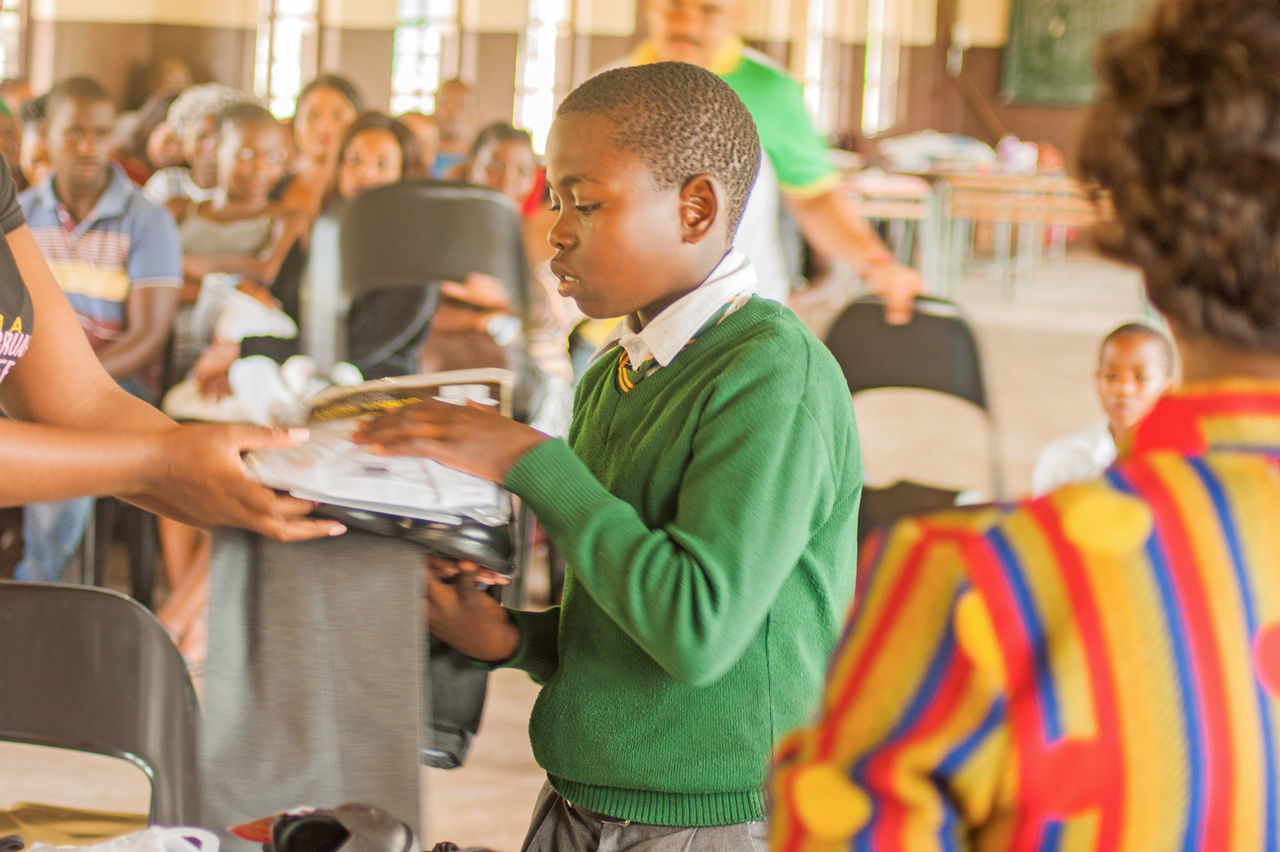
[16,318]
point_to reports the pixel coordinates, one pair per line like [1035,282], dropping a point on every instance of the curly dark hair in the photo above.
[683,120]
[1185,136]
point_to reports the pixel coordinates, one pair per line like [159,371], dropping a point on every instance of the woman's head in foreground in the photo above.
[1185,136]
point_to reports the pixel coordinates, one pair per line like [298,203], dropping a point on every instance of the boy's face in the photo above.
[250,159]
[372,158]
[1131,376]
[508,167]
[619,239]
[79,139]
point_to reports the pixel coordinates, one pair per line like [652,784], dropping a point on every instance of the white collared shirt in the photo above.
[733,280]
[1076,457]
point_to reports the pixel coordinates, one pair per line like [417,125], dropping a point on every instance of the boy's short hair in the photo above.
[84,89]
[1141,329]
[245,114]
[497,133]
[682,119]
[1184,137]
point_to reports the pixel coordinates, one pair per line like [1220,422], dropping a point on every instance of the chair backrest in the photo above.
[407,234]
[935,351]
[92,670]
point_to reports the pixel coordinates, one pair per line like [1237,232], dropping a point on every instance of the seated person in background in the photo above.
[240,230]
[502,159]
[706,501]
[374,151]
[151,144]
[33,154]
[326,107]
[116,256]
[426,130]
[1135,366]
[468,329]
[1099,668]
[193,118]
[456,119]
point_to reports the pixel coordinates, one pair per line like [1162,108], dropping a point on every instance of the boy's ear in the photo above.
[699,207]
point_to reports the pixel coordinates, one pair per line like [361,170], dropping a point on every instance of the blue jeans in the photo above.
[51,532]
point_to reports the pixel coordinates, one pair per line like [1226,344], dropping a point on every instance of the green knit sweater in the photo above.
[708,518]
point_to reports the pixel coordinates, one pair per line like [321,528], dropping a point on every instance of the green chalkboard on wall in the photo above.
[1049,57]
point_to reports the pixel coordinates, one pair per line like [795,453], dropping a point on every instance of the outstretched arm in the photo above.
[830,222]
[84,435]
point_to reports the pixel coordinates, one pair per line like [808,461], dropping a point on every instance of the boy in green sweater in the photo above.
[706,501]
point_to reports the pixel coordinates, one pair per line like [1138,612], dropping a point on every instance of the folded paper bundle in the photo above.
[451,513]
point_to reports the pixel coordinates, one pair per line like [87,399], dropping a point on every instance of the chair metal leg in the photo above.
[142,555]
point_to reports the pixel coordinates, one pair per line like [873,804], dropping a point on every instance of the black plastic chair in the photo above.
[92,670]
[935,351]
[406,237]
[411,234]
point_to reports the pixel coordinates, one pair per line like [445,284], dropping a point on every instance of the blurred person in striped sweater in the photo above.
[1098,668]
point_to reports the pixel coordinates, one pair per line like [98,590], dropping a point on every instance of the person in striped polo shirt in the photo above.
[1099,668]
[117,258]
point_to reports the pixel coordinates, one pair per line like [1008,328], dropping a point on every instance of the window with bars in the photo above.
[11,20]
[540,41]
[426,52]
[287,50]
[880,89]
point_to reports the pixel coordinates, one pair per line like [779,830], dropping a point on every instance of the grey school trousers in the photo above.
[313,685]
[558,826]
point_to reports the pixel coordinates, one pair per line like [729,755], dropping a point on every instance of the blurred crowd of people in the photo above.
[134,210]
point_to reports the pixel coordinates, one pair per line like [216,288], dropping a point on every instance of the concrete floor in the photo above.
[1039,350]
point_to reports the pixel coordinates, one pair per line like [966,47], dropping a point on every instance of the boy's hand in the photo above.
[471,438]
[462,616]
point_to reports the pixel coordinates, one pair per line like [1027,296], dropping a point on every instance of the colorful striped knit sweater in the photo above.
[1094,669]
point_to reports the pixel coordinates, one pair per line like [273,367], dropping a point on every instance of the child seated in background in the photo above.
[241,230]
[1135,366]
[706,500]
[193,118]
[374,151]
